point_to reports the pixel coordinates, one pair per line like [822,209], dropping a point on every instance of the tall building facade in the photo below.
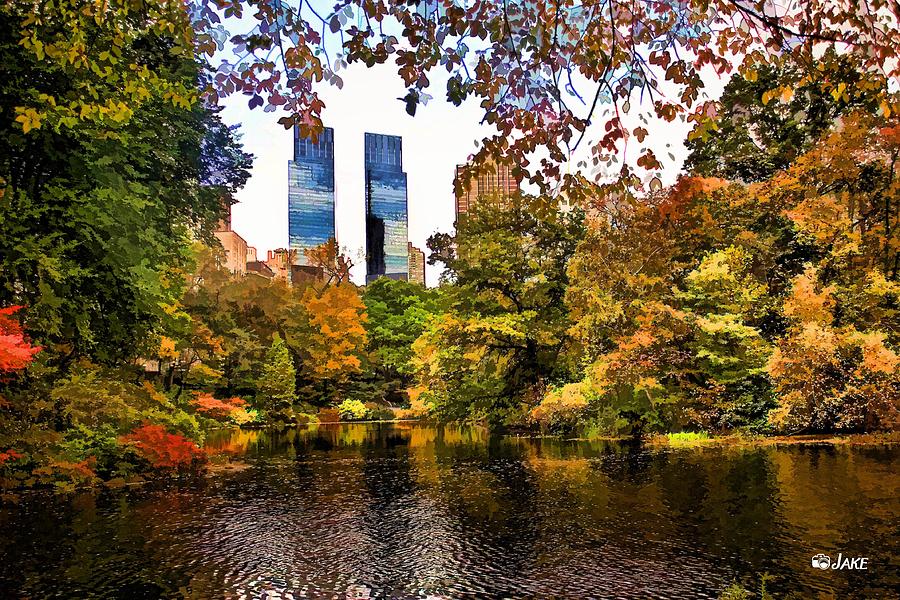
[386,208]
[234,245]
[416,265]
[497,180]
[311,192]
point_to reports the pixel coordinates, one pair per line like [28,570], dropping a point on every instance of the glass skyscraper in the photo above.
[311,192]
[386,216]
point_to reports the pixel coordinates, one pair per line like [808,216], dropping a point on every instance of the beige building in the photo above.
[235,246]
[280,262]
[416,264]
[251,254]
[497,180]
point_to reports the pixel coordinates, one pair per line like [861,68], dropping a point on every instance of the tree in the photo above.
[327,330]
[97,218]
[16,351]
[830,377]
[504,332]
[240,313]
[397,314]
[114,58]
[276,392]
[765,120]
[544,71]
[335,265]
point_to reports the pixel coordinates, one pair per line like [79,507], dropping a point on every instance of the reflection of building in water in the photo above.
[416,265]
[311,193]
[386,208]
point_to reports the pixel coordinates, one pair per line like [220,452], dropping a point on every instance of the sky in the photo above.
[439,137]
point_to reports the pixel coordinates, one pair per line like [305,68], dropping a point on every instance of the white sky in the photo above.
[438,138]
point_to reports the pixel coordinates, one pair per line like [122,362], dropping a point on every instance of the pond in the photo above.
[412,511]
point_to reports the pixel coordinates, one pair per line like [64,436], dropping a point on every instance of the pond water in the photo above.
[413,511]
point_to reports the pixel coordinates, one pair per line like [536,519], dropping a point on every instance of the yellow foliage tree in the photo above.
[828,377]
[330,333]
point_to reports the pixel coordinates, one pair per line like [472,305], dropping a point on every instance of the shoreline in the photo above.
[656,440]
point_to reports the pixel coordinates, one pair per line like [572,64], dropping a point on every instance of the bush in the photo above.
[329,415]
[687,437]
[562,409]
[163,450]
[352,410]
[243,416]
[307,418]
[377,412]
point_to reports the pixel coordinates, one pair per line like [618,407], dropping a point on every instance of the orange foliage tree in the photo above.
[163,449]
[329,334]
[828,376]
[205,404]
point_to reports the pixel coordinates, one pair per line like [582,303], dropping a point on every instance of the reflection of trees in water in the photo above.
[392,519]
[841,499]
[449,510]
[626,462]
[489,495]
[723,502]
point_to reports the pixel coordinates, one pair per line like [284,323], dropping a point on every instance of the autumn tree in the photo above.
[327,331]
[763,125]
[16,351]
[831,377]
[241,313]
[548,74]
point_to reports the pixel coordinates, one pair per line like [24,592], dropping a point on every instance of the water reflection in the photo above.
[408,511]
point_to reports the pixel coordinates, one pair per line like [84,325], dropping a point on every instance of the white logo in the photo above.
[841,563]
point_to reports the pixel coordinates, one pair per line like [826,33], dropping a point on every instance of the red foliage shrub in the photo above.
[163,449]
[16,352]
[9,455]
[215,408]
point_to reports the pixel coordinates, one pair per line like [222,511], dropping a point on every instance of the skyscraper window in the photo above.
[386,208]
[311,192]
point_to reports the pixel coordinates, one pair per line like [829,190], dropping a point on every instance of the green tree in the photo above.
[398,312]
[504,333]
[242,313]
[96,221]
[767,119]
[276,389]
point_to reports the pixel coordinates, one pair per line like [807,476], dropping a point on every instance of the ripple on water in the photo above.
[427,514]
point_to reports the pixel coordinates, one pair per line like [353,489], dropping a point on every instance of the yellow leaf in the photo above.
[29,118]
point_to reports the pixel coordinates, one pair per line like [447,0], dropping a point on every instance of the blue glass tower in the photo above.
[386,217]
[311,192]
